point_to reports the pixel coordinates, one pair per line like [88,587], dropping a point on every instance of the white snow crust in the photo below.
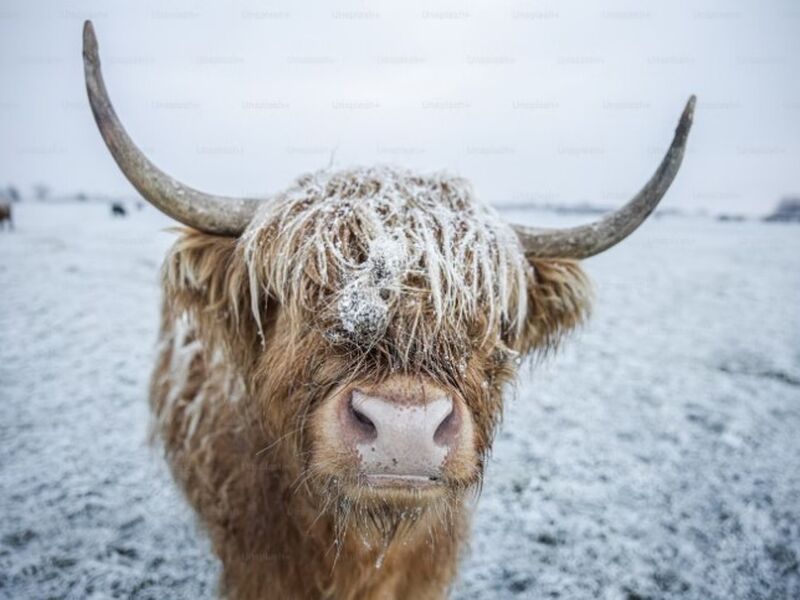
[656,457]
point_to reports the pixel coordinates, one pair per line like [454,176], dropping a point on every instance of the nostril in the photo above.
[447,430]
[362,421]
[362,418]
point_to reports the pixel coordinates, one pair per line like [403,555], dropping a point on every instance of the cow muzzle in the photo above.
[403,433]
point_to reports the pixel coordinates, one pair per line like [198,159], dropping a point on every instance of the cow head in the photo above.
[373,315]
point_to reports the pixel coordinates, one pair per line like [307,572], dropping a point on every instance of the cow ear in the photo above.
[559,299]
[205,277]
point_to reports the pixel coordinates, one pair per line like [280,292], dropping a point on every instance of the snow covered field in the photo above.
[656,456]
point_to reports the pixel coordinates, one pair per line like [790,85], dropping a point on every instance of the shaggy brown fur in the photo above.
[254,342]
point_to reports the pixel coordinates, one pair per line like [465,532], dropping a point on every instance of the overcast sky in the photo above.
[561,101]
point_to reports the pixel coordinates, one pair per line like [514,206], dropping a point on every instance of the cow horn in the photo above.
[206,212]
[587,240]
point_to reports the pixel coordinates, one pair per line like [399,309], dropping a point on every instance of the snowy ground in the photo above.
[657,456]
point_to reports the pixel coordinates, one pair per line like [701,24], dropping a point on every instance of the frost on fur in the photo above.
[370,249]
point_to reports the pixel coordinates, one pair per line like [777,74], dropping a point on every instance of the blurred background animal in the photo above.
[6,219]
[118,209]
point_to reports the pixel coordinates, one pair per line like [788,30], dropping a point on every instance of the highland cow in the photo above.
[5,215]
[332,362]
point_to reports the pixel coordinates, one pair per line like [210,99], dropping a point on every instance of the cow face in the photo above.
[372,316]
[375,316]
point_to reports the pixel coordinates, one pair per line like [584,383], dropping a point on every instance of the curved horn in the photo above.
[587,240]
[206,212]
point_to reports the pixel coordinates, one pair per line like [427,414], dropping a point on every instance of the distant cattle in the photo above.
[5,215]
[118,209]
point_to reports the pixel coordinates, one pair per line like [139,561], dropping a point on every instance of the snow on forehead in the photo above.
[382,236]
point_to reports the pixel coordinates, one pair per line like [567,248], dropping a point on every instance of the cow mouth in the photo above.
[400,481]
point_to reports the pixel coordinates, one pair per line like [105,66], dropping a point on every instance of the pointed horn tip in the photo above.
[536,246]
[90,51]
[687,117]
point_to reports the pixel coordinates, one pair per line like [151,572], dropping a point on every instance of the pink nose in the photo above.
[400,440]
